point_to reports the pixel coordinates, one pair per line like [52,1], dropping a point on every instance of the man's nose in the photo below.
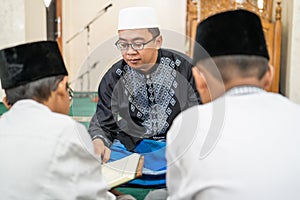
[130,50]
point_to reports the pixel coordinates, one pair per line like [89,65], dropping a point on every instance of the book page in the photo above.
[121,171]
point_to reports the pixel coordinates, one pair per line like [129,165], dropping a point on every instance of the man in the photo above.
[141,94]
[44,153]
[244,141]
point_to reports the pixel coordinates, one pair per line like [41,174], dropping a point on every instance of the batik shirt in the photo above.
[133,105]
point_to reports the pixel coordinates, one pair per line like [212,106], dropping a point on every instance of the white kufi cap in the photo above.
[137,18]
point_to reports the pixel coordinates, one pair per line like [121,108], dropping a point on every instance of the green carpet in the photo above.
[83,104]
[83,107]
[138,193]
[2,108]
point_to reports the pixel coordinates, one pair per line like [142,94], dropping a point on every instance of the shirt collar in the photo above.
[26,103]
[243,90]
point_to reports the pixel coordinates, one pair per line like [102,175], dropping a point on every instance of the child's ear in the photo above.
[268,77]
[6,103]
[201,85]
[61,88]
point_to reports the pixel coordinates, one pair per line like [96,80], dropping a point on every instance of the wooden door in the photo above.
[198,10]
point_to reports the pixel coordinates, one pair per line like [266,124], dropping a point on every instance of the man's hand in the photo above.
[101,150]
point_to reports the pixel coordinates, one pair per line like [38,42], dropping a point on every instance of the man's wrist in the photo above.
[104,140]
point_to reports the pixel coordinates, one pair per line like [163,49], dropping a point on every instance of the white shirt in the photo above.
[46,155]
[239,147]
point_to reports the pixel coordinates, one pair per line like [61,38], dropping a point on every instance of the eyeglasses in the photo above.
[123,46]
[71,93]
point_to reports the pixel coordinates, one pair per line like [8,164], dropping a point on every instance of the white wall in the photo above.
[293,75]
[290,50]
[35,20]
[21,21]
[103,34]
[12,23]
[285,44]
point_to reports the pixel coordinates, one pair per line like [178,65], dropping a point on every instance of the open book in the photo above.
[123,170]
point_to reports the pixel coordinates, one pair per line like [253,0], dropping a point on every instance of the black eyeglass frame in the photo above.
[71,93]
[135,43]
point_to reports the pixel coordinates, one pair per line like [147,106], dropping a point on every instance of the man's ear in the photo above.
[61,88]
[201,85]
[6,103]
[268,77]
[158,42]
[59,100]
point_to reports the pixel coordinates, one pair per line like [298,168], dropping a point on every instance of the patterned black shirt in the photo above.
[133,105]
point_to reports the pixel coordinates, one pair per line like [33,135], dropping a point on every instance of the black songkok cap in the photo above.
[29,62]
[237,32]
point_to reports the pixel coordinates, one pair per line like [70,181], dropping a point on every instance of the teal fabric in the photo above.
[2,108]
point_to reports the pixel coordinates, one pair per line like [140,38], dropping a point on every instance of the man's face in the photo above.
[140,59]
